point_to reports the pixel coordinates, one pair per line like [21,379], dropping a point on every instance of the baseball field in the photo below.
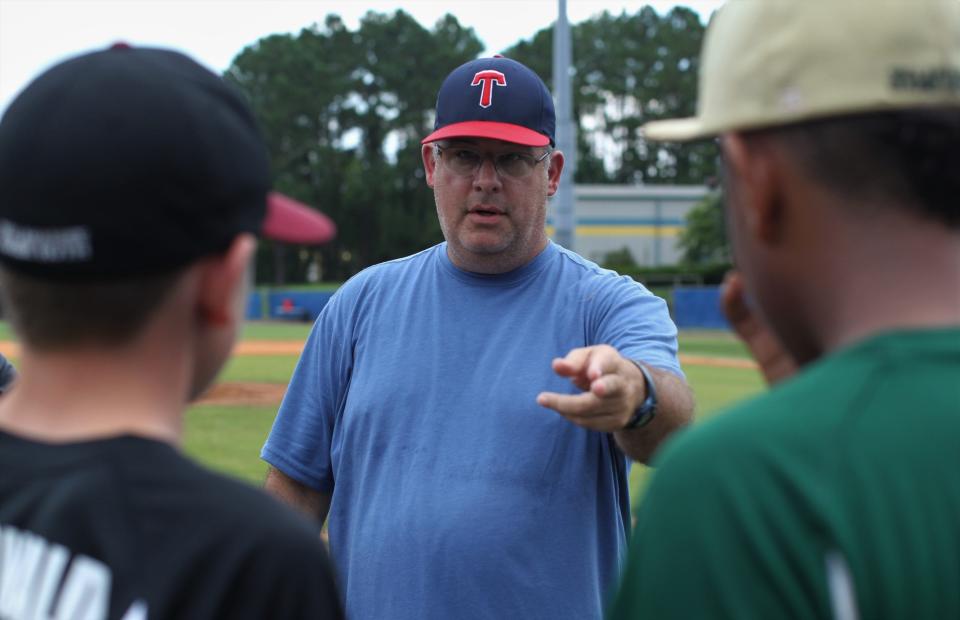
[227,427]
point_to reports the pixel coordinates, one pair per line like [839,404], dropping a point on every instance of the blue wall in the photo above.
[306,305]
[698,307]
[253,306]
[693,307]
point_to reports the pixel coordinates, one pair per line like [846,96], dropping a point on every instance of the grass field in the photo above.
[228,438]
[259,368]
[274,330]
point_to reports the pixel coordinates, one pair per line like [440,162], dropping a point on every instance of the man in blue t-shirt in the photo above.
[418,421]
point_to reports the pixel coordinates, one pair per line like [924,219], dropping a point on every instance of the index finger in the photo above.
[603,360]
[573,363]
[569,404]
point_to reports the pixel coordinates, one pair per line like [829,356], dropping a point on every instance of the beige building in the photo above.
[645,219]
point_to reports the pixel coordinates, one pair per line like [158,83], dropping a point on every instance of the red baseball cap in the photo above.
[294,222]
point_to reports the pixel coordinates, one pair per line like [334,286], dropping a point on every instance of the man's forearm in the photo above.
[674,410]
[310,502]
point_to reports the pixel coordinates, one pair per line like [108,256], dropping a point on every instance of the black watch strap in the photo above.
[648,409]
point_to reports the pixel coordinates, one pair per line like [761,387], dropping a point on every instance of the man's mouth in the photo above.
[486,211]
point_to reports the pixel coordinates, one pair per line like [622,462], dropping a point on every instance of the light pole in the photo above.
[564,201]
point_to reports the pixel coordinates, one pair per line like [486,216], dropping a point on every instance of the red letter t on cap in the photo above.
[488,78]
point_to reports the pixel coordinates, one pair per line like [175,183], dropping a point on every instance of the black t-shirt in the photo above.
[128,528]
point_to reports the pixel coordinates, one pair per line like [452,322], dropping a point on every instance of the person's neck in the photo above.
[493,264]
[904,275]
[93,394]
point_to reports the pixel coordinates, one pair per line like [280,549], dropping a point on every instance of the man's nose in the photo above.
[487,178]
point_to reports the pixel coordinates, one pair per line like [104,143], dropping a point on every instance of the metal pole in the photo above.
[564,201]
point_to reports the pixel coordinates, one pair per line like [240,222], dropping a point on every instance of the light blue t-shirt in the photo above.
[454,495]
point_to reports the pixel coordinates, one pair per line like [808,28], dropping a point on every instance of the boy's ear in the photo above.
[755,168]
[223,280]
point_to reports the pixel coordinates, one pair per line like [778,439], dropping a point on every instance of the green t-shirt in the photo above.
[835,495]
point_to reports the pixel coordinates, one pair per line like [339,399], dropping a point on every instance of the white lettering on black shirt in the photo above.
[38,580]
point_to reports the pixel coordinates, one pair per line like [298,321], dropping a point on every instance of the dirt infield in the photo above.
[269,347]
[235,393]
[294,347]
[717,362]
[270,394]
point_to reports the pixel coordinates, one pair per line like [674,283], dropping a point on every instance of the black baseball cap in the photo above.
[496,98]
[135,161]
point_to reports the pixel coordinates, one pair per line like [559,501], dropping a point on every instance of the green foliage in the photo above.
[704,240]
[621,258]
[329,101]
[344,110]
[628,70]
[675,275]
[324,287]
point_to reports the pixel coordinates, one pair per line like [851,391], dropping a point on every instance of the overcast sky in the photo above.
[37,33]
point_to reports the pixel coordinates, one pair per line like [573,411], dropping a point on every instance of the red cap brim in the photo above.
[489,129]
[294,222]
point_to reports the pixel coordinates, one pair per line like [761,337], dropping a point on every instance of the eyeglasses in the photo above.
[465,162]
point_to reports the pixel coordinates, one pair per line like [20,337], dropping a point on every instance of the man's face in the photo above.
[493,221]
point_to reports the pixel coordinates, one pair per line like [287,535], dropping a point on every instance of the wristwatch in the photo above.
[648,409]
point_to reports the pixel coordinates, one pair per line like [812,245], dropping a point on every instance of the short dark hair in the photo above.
[908,158]
[54,315]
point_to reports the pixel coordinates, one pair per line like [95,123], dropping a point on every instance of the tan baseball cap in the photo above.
[773,62]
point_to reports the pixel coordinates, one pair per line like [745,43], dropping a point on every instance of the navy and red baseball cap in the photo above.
[496,98]
[135,161]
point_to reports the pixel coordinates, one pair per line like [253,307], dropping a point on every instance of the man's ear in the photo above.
[429,162]
[755,169]
[554,171]
[223,281]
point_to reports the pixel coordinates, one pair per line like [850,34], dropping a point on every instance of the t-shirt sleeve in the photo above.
[636,322]
[705,545]
[299,442]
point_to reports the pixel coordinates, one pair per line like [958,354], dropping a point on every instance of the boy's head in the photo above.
[839,122]
[119,170]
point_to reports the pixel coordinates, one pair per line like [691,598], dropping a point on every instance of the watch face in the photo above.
[642,417]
